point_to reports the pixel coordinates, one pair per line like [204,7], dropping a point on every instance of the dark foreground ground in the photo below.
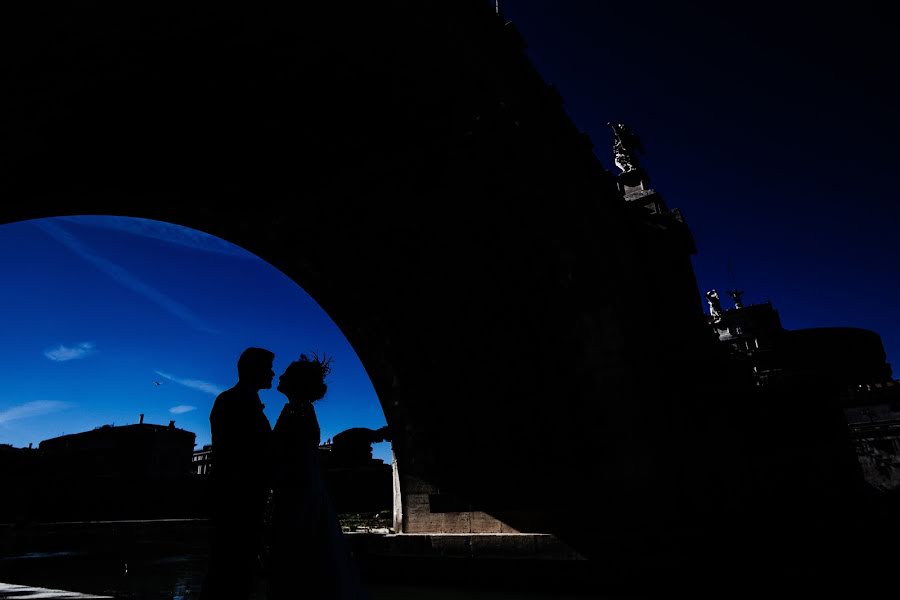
[156,560]
[167,560]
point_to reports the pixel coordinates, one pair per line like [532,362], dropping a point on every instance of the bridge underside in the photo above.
[405,164]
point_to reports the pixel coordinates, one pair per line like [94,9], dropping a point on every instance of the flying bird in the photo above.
[158,382]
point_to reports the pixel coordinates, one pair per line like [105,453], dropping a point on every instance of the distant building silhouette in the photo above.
[122,451]
[148,471]
[357,482]
[847,365]
[846,356]
[202,460]
[17,466]
[137,471]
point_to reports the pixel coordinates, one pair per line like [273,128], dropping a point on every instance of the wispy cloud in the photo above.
[194,384]
[64,353]
[167,232]
[32,409]
[182,408]
[120,275]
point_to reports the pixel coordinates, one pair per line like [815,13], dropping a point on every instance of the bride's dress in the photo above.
[310,555]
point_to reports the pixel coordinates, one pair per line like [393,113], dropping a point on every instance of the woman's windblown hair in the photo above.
[322,365]
[309,373]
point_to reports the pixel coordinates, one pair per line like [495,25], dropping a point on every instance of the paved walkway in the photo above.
[9,590]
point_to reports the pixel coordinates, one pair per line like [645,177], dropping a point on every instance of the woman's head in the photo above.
[304,379]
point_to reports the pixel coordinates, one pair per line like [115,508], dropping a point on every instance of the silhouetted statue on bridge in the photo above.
[626,146]
[715,304]
[241,436]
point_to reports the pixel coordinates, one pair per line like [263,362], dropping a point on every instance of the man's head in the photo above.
[255,368]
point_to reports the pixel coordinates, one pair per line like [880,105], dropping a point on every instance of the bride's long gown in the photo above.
[310,557]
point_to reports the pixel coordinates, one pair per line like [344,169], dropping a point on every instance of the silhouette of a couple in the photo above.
[253,465]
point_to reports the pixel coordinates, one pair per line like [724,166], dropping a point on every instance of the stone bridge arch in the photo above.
[405,164]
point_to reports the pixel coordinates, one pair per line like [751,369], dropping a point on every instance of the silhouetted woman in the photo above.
[309,556]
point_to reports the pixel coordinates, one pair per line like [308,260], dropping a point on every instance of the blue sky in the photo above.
[96,310]
[772,126]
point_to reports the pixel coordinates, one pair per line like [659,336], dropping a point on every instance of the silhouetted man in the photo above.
[239,475]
